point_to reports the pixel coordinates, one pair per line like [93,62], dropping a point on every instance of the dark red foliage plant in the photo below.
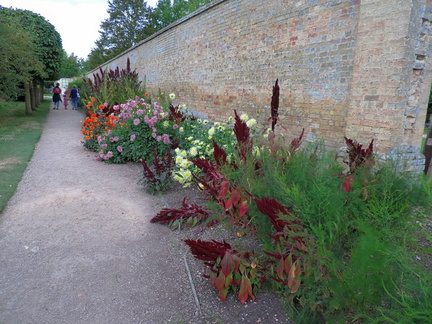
[233,199]
[191,214]
[357,157]
[275,105]
[244,141]
[157,177]
[294,247]
[229,268]
[176,115]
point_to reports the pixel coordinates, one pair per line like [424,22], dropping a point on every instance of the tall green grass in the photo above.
[366,238]
[18,136]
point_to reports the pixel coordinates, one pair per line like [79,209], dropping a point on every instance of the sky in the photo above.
[77,21]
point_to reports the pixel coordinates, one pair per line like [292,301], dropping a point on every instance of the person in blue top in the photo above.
[74,95]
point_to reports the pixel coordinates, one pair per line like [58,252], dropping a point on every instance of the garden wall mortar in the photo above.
[356,68]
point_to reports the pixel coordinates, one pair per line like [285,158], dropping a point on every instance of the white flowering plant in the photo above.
[197,143]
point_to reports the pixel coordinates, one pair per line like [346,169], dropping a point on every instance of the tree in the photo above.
[129,23]
[71,66]
[17,60]
[166,12]
[46,44]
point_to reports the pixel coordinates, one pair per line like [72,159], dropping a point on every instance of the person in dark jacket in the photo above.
[74,95]
[56,96]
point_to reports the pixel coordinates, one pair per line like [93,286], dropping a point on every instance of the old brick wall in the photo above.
[358,68]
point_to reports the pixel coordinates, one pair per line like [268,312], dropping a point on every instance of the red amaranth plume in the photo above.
[296,142]
[168,215]
[208,250]
[275,105]
[242,133]
[272,209]
[219,154]
[176,115]
[357,155]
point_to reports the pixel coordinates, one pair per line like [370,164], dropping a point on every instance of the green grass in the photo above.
[18,136]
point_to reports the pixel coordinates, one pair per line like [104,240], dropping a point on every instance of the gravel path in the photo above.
[77,246]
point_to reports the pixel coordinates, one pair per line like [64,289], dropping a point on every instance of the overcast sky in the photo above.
[77,21]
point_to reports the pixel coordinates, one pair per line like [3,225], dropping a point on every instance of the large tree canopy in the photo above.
[166,12]
[47,41]
[17,61]
[33,50]
[71,66]
[129,22]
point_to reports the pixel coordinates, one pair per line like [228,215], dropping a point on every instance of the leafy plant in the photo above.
[229,268]
[158,176]
[191,214]
[114,87]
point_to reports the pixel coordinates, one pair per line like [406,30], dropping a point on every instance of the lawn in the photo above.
[18,136]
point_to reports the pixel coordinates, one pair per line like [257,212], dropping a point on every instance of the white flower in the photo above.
[205,122]
[183,153]
[199,121]
[181,129]
[244,117]
[166,123]
[178,160]
[230,119]
[184,164]
[172,96]
[187,175]
[193,151]
[216,124]
[251,122]
[211,131]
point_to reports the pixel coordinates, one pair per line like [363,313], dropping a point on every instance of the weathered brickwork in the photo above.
[356,68]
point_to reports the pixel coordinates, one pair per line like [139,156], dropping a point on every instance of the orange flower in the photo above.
[93,99]
[146,94]
[87,138]
[101,106]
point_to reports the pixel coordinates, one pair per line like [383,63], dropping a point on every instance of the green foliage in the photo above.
[113,87]
[17,60]
[46,40]
[129,23]
[166,12]
[71,66]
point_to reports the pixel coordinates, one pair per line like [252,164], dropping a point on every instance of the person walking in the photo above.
[74,95]
[65,100]
[56,96]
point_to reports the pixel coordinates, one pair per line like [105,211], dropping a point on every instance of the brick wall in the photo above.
[356,68]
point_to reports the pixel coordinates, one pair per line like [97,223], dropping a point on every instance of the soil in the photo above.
[78,246]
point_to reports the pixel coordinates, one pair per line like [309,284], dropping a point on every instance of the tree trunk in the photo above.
[32,95]
[28,99]
[41,90]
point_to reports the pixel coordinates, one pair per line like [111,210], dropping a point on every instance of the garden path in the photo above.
[77,246]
